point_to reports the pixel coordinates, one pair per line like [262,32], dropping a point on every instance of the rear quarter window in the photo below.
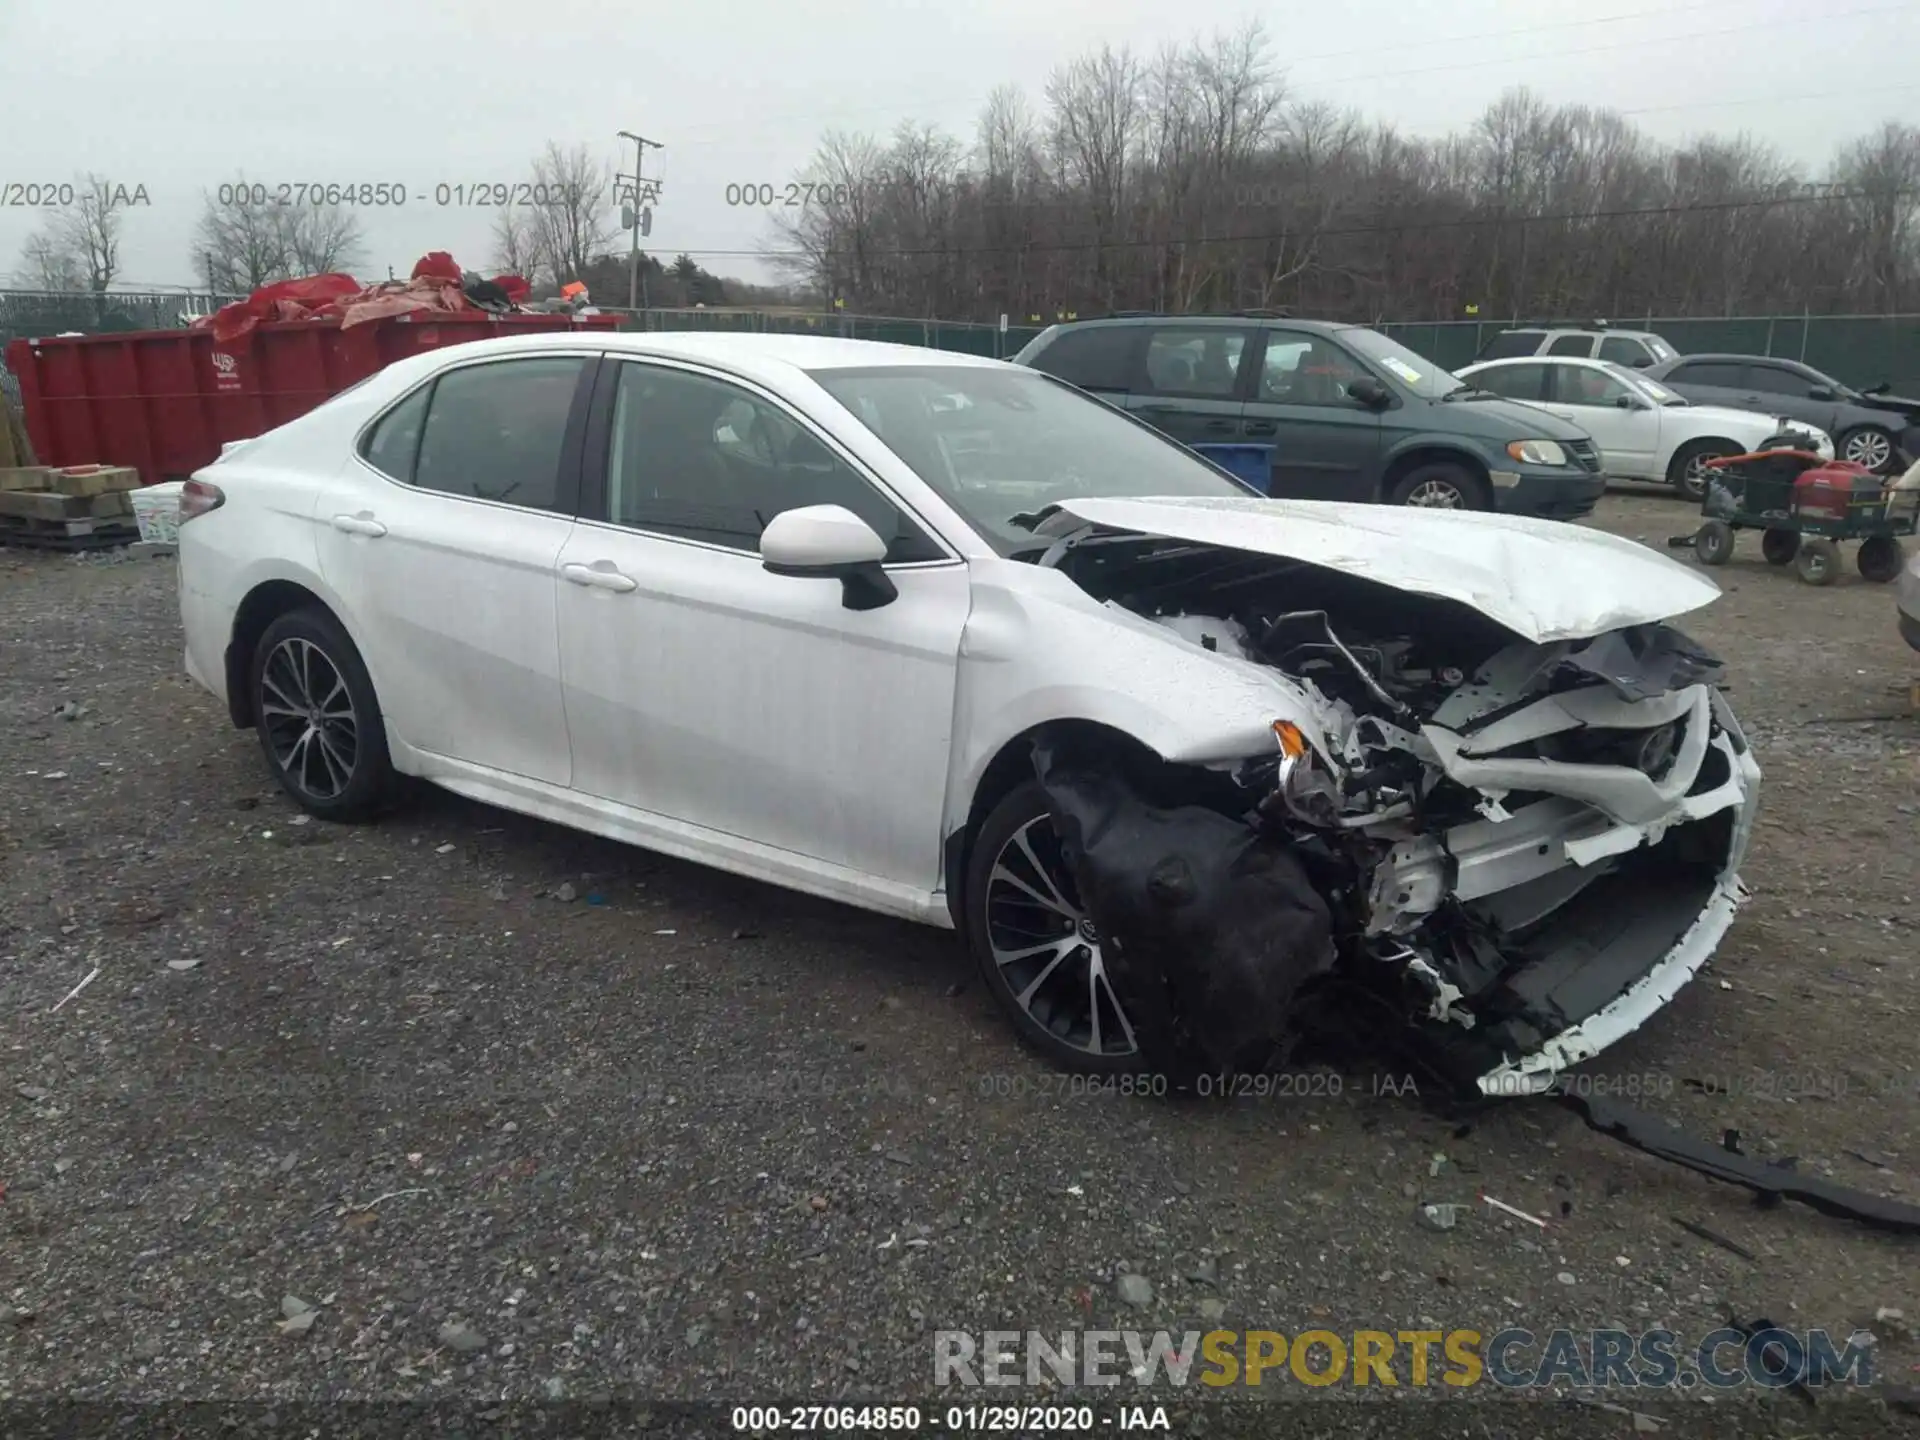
[1511,345]
[1099,358]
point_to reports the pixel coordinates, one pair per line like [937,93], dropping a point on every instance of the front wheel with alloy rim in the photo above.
[1869,446]
[1439,486]
[1036,947]
[319,722]
[1688,471]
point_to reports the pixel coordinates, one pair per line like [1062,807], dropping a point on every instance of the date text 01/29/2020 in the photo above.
[386,194]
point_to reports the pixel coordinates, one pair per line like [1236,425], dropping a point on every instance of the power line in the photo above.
[1464,223]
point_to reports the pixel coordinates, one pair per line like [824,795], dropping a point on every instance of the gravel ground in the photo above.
[694,1137]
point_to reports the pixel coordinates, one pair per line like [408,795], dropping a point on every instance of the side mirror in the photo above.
[1368,392]
[1822,392]
[1625,402]
[829,542]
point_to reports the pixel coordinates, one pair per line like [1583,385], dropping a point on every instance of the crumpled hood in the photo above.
[1545,580]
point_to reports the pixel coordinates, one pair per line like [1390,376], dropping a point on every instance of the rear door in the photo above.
[1326,445]
[1191,381]
[1711,382]
[441,536]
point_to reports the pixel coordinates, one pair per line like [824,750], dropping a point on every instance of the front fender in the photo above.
[1041,650]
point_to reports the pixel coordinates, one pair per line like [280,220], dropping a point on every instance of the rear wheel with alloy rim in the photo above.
[1037,948]
[319,722]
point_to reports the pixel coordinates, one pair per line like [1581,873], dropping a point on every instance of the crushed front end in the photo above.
[1524,849]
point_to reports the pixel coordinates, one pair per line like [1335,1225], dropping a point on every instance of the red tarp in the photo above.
[435,286]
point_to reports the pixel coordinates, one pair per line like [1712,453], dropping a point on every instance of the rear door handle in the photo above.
[1561,415]
[599,577]
[1220,426]
[361,524]
[1262,427]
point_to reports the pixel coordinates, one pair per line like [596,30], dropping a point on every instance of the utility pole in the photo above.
[637,194]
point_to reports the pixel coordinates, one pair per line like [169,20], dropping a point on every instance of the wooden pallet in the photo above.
[26,533]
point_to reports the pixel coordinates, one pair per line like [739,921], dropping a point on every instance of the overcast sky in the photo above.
[179,95]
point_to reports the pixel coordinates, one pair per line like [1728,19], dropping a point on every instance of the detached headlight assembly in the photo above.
[1536,452]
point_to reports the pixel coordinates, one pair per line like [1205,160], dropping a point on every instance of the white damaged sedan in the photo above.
[1190,770]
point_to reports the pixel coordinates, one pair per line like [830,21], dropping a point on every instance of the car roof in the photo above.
[1506,360]
[1312,327]
[1721,356]
[756,356]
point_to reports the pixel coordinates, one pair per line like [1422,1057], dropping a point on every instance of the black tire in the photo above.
[1869,445]
[1437,479]
[327,777]
[1779,546]
[1818,562]
[1683,471]
[1713,543]
[1048,1027]
[1880,559]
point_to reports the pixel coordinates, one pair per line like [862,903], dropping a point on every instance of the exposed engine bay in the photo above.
[1514,852]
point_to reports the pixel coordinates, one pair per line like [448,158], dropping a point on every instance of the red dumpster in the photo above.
[164,401]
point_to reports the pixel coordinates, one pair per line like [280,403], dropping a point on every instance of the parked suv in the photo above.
[1344,412]
[1876,430]
[1635,348]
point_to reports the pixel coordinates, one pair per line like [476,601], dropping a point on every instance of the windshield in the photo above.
[1001,443]
[1414,371]
[1639,382]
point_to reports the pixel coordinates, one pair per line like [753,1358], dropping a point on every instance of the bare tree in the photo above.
[45,265]
[516,243]
[78,245]
[571,214]
[323,238]
[243,242]
[1188,181]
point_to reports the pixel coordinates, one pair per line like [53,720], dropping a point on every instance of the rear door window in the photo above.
[1721,374]
[1623,350]
[1571,345]
[496,431]
[1097,358]
[1511,344]
[1203,362]
[1515,382]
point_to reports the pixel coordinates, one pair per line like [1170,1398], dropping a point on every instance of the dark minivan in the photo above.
[1344,412]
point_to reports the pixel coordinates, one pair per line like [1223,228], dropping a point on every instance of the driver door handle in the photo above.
[361,524]
[599,577]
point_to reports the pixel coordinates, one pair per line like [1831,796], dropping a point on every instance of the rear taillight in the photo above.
[197,497]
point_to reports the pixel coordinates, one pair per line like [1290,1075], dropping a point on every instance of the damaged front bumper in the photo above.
[1585,894]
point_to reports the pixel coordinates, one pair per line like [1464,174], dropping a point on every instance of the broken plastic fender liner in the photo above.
[1207,929]
[1771,1182]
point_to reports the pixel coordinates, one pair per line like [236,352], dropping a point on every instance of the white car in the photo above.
[1644,430]
[1188,768]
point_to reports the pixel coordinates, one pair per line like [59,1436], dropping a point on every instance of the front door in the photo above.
[703,689]
[1326,445]
[1625,426]
[440,538]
